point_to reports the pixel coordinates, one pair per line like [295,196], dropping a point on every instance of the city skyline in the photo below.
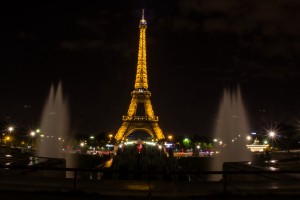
[194,50]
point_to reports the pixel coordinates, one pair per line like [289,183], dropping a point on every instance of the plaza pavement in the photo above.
[16,187]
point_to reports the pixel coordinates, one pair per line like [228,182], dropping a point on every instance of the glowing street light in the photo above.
[32,133]
[7,139]
[248,137]
[159,147]
[272,134]
[170,137]
[10,129]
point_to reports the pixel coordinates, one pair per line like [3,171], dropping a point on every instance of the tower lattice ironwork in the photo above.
[147,122]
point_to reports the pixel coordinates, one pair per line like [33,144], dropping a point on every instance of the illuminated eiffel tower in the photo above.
[147,122]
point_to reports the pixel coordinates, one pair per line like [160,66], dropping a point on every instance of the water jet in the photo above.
[232,128]
[54,125]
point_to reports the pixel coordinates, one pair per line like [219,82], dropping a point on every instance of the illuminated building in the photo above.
[147,122]
[256,147]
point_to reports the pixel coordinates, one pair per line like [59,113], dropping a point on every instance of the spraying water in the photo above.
[54,125]
[231,130]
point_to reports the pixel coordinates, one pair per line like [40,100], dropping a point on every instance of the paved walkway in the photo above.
[138,189]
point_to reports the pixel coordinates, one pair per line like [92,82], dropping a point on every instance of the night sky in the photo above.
[194,50]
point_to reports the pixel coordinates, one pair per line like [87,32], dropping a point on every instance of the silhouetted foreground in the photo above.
[12,195]
[133,176]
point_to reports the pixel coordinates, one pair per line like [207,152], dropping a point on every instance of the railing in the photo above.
[226,175]
[140,118]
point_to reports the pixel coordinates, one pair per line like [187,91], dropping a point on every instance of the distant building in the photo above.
[256,147]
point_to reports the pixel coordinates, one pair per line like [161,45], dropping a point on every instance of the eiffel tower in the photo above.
[147,122]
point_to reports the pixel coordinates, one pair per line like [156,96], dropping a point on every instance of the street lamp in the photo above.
[7,139]
[32,134]
[159,147]
[10,129]
[170,137]
[248,137]
[110,136]
[272,135]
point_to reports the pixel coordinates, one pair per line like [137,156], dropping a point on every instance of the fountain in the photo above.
[231,130]
[54,127]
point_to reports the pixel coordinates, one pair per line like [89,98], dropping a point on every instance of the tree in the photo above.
[187,143]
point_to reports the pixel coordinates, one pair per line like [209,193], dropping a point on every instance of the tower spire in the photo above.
[141,80]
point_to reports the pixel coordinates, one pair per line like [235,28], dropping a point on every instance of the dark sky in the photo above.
[194,50]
